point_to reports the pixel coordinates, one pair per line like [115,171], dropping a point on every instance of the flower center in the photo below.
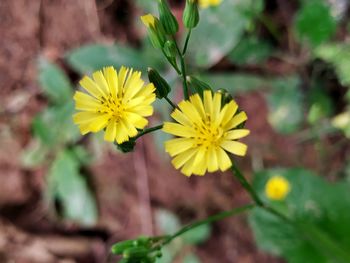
[208,134]
[112,107]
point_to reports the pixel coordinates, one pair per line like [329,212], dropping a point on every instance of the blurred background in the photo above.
[68,198]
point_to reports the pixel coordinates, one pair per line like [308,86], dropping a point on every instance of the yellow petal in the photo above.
[234,147]
[183,157]
[223,159]
[178,145]
[111,131]
[111,76]
[236,120]
[236,134]
[190,111]
[84,117]
[188,167]
[131,130]
[133,85]
[228,112]
[198,104]
[122,133]
[216,107]
[90,86]
[101,82]
[121,80]
[138,121]
[212,160]
[181,118]
[208,102]
[86,102]
[178,129]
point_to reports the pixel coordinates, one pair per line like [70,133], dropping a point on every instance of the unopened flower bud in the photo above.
[167,19]
[121,246]
[162,87]
[191,14]
[170,49]
[197,85]
[136,253]
[155,30]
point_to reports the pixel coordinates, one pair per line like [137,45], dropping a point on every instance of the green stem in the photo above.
[183,70]
[237,173]
[148,130]
[208,220]
[170,102]
[172,63]
[186,42]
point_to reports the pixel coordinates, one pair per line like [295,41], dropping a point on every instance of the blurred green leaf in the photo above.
[235,83]
[54,82]
[314,22]
[191,258]
[167,221]
[55,125]
[90,58]
[71,189]
[34,155]
[250,50]
[197,235]
[220,29]
[321,104]
[320,211]
[285,105]
[337,54]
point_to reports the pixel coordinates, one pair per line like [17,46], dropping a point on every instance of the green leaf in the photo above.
[250,50]
[90,58]
[235,83]
[321,104]
[321,213]
[34,155]
[71,189]
[191,258]
[197,235]
[285,105]
[54,83]
[219,30]
[338,55]
[167,222]
[314,22]
[55,125]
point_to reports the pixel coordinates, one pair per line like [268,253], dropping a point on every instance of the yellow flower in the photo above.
[207,3]
[277,188]
[116,102]
[206,133]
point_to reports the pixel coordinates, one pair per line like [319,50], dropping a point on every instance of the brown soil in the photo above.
[30,29]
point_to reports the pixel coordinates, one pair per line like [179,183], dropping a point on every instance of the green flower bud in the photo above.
[170,49]
[136,253]
[197,85]
[127,146]
[119,247]
[167,19]
[155,30]
[162,87]
[191,14]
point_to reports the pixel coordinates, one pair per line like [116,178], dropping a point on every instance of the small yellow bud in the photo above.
[148,20]
[155,30]
[277,188]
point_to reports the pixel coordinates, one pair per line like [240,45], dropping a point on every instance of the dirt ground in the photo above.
[30,29]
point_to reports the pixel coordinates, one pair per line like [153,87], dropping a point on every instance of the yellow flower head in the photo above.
[206,132]
[116,102]
[207,3]
[277,188]
[148,20]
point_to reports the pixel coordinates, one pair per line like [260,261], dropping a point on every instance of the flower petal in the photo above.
[234,147]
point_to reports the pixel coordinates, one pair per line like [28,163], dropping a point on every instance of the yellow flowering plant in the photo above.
[207,124]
